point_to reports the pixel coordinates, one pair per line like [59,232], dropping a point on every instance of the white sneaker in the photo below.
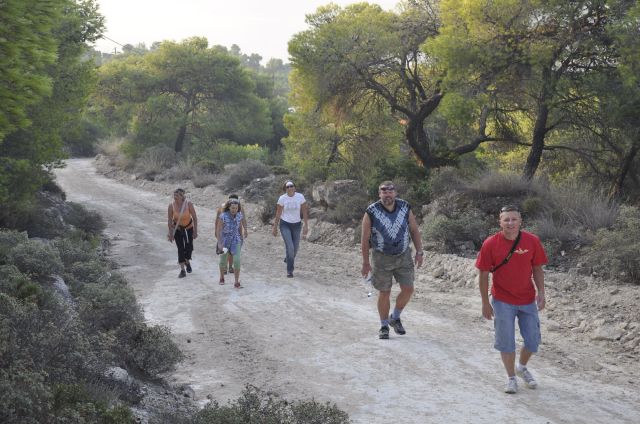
[527,377]
[511,386]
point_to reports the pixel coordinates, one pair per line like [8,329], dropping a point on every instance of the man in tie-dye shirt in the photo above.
[387,226]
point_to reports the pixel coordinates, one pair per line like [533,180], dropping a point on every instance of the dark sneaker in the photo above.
[397,325]
[383,333]
[231,270]
[189,268]
[289,274]
[182,274]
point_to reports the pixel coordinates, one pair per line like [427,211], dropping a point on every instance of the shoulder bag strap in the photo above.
[513,248]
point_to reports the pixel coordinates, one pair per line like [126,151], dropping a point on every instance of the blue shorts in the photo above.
[504,316]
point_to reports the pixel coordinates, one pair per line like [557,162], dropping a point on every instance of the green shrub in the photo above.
[279,170]
[349,211]
[24,396]
[72,250]
[255,406]
[89,272]
[494,184]
[446,233]
[584,207]
[8,240]
[106,307]
[88,221]
[202,179]
[533,206]
[151,349]
[36,259]
[226,153]
[155,160]
[183,170]
[614,252]
[245,172]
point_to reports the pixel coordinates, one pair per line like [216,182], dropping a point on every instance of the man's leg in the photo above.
[509,362]
[525,355]
[529,324]
[504,324]
[404,296]
[384,304]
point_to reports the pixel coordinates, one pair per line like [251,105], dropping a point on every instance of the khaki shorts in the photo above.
[399,267]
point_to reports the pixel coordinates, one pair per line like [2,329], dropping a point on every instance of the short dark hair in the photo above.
[233,196]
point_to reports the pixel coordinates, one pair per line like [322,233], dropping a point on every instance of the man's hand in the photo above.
[487,310]
[366,269]
[195,234]
[419,258]
[274,231]
[540,301]
[170,237]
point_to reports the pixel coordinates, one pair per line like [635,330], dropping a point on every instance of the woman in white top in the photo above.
[288,218]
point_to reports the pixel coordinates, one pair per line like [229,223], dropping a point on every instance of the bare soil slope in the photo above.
[316,335]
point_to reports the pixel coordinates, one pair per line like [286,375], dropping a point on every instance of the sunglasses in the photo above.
[386,188]
[289,186]
[509,208]
[234,202]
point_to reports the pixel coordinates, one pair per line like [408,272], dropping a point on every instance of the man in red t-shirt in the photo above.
[517,292]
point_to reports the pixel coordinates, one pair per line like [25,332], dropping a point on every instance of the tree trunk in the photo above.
[625,166]
[182,132]
[416,136]
[417,140]
[537,144]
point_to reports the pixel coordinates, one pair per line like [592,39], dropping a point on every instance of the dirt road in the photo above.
[316,335]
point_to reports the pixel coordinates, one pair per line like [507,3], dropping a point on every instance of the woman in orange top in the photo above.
[183,228]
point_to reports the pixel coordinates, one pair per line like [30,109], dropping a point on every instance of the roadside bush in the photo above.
[24,396]
[89,272]
[448,233]
[8,240]
[150,349]
[244,172]
[349,211]
[182,170]
[107,307]
[255,406]
[83,219]
[36,259]
[155,160]
[584,207]
[614,253]
[74,249]
[19,285]
[225,153]
[202,179]
[494,184]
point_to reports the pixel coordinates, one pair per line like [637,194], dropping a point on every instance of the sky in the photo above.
[256,26]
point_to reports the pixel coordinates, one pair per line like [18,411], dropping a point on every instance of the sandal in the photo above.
[238,285]
[231,270]
[221,282]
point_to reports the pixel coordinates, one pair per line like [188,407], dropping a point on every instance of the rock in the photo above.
[118,374]
[607,333]
[330,193]
[438,272]
[553,325]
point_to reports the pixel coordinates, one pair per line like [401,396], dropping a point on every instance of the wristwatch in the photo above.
[420,253]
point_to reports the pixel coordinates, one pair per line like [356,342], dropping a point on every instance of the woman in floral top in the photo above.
[230,233]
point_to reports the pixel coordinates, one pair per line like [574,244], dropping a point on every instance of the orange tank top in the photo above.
[185,219]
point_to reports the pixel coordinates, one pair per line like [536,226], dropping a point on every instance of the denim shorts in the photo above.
[504,316]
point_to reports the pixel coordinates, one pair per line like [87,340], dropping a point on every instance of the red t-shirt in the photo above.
[512,282]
